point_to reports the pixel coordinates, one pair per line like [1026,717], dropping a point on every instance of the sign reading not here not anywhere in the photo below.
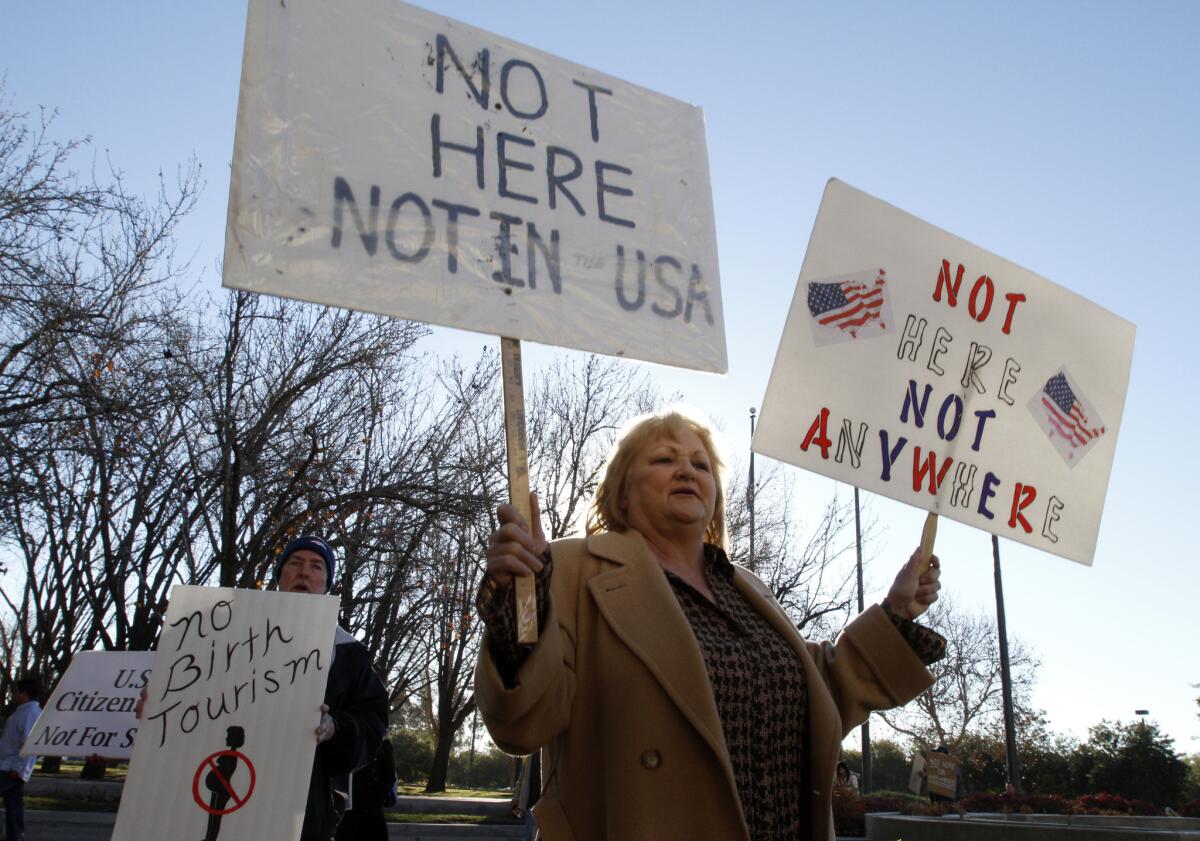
[924,368]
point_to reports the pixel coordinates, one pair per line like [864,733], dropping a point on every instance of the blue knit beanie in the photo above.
[313,544]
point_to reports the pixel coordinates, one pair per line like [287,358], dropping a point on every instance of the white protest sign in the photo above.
[924,368]
[227,731]
[394,161]
[91,708]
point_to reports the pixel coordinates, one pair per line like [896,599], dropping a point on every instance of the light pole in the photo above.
[750,493]
[867,782]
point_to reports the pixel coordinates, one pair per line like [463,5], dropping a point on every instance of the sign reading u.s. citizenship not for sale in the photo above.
[227,742]
[394,161]
[91,710]
[924,368]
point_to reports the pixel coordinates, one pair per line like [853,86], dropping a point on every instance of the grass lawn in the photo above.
[71,769]
[405,817]
[418,790]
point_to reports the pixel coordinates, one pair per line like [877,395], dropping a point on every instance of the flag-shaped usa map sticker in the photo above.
[849,307]
[1066,416]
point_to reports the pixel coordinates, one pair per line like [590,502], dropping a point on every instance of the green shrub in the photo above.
[490,769]
[413,752]
[848,811]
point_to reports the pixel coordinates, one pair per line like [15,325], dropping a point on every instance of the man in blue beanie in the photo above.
[309,564]
[354,716]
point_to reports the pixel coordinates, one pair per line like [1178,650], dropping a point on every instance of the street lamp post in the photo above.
[750,494]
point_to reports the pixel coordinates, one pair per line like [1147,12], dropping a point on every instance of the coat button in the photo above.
[651,759]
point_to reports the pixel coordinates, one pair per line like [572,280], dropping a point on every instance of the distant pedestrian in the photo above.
[15,769]
[845,778]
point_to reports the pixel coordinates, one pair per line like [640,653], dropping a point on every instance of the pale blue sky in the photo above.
[1061,136]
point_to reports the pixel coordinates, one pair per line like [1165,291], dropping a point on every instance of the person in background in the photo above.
[354,716]
[670,693]
[845,777]
[15,769]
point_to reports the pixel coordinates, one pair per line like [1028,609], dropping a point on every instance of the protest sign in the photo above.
[924,368]
[916,775]
[394,161]
[941,772]
[227,734]
[91,708]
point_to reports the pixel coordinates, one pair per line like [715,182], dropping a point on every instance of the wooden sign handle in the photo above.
[927,537]
[517,447]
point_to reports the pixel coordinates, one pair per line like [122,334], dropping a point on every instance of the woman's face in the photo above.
[671,485]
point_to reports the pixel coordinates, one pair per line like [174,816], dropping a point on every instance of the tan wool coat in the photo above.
[616,695]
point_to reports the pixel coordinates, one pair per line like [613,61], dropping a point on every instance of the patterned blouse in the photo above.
[758,684]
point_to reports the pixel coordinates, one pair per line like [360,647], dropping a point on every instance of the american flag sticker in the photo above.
[849,307]
[1067,418]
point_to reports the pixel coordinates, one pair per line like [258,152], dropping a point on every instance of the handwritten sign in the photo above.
[394,161]
[941,771]
[921,367]
[233,701]
[91,708]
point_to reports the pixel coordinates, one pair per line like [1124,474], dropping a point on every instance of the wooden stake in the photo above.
[927,537]
[517,446]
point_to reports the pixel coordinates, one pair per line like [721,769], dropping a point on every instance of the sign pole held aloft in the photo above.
[928,535]
[517,447]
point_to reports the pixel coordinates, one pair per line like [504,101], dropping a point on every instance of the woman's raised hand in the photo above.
[513,549]
[913,591]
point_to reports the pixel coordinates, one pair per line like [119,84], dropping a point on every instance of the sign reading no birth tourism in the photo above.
[226,742]
[394,161]
[91,708]
[921,367]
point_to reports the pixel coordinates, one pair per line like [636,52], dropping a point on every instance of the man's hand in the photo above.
[327,726]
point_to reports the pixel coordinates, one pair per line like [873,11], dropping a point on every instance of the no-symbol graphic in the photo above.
[209,764]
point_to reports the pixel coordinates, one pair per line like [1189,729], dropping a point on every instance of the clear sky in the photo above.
[1062,136]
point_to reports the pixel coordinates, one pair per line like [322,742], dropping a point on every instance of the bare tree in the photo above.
[575,412]
[807,564]
[86,274]
[966,694]
[476,465]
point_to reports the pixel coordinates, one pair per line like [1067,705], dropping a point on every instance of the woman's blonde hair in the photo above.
[606,513]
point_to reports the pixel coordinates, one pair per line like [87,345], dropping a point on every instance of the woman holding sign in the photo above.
[672,695]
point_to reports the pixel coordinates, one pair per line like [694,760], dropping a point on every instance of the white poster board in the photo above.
[924,368]
[394,161]
[228,728]
[91,708]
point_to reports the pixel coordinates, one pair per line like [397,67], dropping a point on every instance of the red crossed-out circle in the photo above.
[209,763]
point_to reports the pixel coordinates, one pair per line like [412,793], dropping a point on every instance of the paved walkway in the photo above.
[47,825]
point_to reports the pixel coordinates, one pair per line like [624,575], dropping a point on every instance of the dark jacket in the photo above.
[358,703]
